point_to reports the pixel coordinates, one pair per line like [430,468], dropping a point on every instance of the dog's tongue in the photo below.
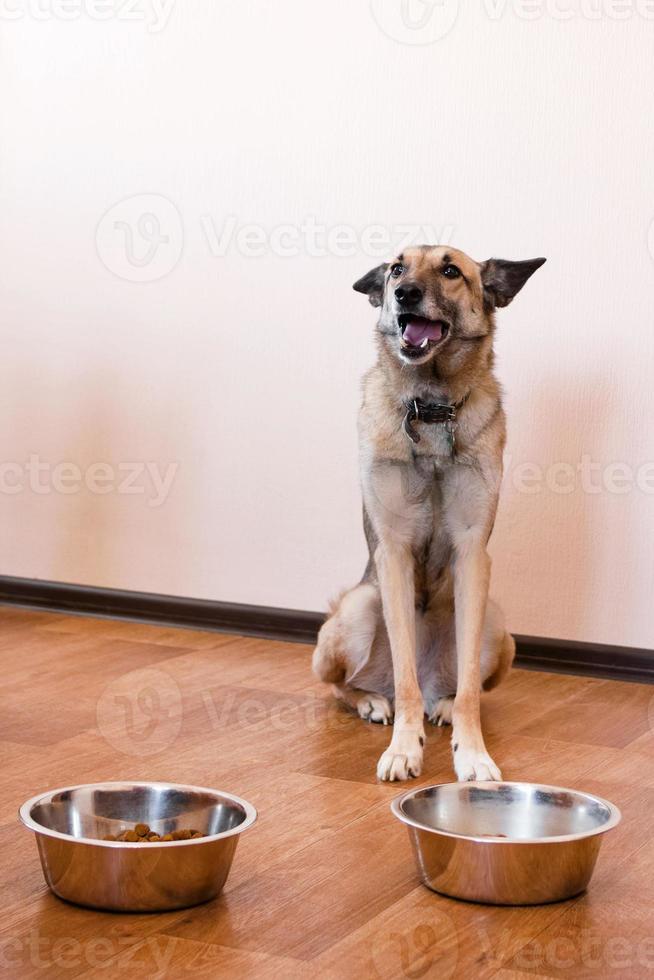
[417,329]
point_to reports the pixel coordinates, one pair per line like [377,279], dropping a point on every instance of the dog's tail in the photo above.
[328,663]
[505,659]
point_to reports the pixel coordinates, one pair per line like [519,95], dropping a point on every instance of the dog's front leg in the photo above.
[403,757]
[471,582]
[470,502]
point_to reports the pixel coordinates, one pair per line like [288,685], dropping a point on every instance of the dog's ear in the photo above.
[372,284]
[503,279]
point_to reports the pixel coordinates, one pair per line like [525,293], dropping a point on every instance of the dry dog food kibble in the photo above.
[141,834]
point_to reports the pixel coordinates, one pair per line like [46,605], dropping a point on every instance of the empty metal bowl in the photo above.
[81,867]
[505,843]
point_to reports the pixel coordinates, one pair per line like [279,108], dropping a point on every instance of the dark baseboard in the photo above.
[533,653]
[208,614]
[585,659]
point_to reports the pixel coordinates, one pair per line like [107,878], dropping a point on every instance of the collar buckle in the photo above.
[431,413]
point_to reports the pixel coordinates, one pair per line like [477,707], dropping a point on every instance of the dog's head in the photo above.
[433,297]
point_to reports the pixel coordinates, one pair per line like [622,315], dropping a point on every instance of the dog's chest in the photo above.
[433,534]
[436,445]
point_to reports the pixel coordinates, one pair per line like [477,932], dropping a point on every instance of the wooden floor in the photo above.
[324,884]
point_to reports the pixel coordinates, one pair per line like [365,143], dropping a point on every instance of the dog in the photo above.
[418,635]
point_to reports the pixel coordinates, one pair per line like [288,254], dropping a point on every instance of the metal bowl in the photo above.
[82,868]
[505,843]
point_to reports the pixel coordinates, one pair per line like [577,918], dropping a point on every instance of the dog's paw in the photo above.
[375,707]
[470,764]
[402,758]
[442,713]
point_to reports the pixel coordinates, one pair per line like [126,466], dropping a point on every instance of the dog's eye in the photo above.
[451,272]
[396,270]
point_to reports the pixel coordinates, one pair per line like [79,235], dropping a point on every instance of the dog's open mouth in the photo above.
[419,334]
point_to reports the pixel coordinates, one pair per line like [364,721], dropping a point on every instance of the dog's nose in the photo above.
[408,293]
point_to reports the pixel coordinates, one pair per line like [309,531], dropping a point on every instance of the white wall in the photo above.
[509,136]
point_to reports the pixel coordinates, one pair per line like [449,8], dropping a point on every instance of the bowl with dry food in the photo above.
[137,846]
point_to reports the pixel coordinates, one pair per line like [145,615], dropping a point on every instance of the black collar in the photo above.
[429,412]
